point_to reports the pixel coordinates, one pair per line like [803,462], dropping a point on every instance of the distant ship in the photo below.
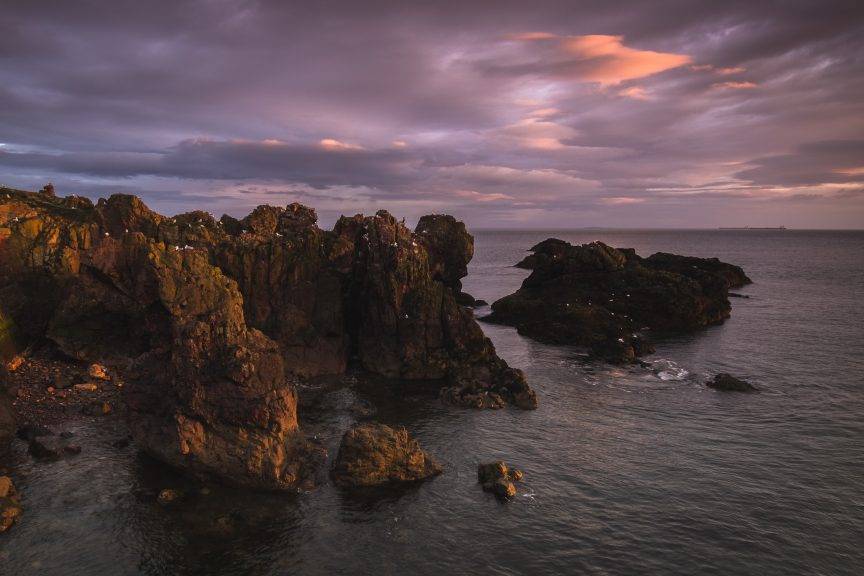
[752,228]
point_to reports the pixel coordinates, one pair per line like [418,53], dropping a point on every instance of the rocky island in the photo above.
[213,322]
[605,298]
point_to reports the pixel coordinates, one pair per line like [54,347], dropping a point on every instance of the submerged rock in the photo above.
[51,447]
[10,504]
[602,298]
[729,383]
[373,454]
[498,478]
[29,431]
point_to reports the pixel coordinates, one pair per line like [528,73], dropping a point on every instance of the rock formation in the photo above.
[220,316]
[729,383]
[373,454]
[498,478]
[602,298]
[10,504]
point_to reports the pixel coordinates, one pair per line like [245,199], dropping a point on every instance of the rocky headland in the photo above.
[606,299]
[213,322]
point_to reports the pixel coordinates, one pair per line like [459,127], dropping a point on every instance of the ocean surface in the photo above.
[627,470]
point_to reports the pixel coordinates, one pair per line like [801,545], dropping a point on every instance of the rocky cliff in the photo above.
[219,317]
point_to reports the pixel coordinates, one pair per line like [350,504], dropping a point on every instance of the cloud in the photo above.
[635,92]
[621,200]
[481,197]
[335,145]
[501,112]
[743,85]
[832,161]
[597,58]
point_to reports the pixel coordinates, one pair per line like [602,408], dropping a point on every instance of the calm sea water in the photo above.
[628,471]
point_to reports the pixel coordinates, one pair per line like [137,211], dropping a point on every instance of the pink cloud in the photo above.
[605,59]
[482,197]
[333,144]
[635,92]
[621,200]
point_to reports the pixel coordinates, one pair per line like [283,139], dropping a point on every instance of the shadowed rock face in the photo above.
[374,454]
[8,424]
[217,314]
[601,297]
[729,383]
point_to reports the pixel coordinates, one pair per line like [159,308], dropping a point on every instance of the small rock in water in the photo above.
[168,496]
[497,478]
[52,447]
[372,454]
[729,383]
[10,504]
[120,443]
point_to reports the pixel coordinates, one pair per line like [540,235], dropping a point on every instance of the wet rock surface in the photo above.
[372,454]
[10,504]
[498,478]
[603,298]
[728,383]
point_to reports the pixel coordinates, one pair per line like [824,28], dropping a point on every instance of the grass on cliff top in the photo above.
[47,203]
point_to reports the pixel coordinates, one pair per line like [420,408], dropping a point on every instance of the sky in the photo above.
[540,114]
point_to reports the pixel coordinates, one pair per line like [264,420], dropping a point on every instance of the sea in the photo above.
[628,470]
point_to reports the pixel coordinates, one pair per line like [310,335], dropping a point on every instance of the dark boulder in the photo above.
[373,454]
[729,383]
[29,431]
[51,447]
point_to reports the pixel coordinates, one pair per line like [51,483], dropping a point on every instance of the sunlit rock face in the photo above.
[603,298]
[219,315]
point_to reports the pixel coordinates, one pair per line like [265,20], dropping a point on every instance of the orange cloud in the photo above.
[605,59]
[734,85]
[722,71]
